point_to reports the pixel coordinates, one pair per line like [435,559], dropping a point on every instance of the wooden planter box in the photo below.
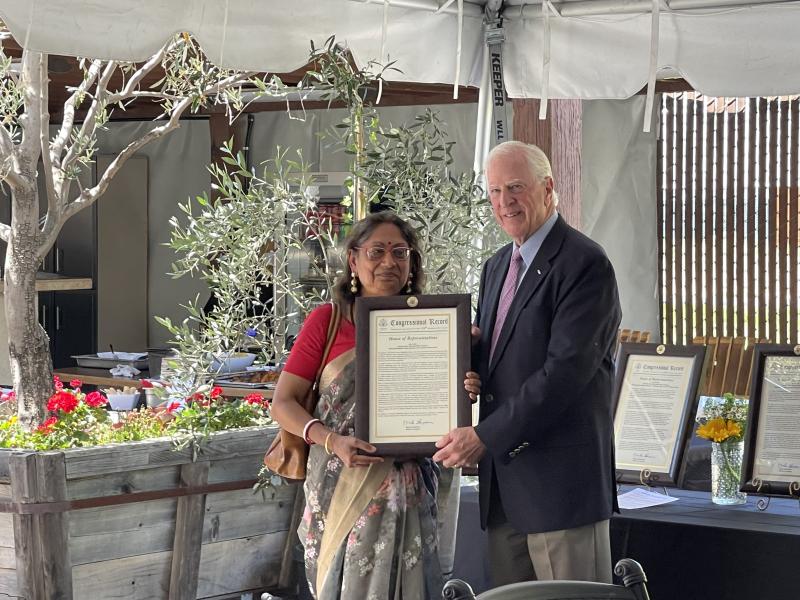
[143,521]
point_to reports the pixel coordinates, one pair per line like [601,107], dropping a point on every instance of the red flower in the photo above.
[173,406]
[95,399]
[47,426]
[196,397]
[9,397]
[57,383]
[216,392]
[146,383]
[255,399]
[75,384]
[63,401]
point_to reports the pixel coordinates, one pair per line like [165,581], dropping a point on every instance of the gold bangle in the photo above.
[328,439]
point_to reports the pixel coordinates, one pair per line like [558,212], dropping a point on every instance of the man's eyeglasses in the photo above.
[377,253]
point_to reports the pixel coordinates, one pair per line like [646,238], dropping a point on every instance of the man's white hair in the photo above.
[537,160]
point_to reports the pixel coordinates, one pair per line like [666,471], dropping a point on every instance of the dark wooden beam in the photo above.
[559,136]
[667,86]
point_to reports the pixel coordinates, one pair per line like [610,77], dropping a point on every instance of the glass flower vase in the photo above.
[726,470]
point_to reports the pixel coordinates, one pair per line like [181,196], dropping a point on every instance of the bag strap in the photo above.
[333,328]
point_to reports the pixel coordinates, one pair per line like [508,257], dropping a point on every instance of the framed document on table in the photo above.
[656,402]
[772,438]
[412,353]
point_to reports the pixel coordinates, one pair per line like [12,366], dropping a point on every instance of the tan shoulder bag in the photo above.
[288,453]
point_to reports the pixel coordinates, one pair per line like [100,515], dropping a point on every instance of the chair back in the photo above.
[630,571]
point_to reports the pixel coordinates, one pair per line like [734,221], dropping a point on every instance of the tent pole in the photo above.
[586,8]
[470,9]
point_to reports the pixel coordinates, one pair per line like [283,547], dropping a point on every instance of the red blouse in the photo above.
[307,351]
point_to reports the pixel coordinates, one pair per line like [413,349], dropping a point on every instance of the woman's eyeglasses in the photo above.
[377,253]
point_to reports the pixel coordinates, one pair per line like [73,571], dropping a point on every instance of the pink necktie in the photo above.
[506,296]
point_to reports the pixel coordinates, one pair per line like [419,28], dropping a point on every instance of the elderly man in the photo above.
[547,319]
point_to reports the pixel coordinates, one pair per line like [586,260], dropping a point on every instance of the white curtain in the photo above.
[618,210]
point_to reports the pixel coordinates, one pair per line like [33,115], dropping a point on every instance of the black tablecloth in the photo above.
[691,549]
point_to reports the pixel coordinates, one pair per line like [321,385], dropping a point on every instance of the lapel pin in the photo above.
[538,271]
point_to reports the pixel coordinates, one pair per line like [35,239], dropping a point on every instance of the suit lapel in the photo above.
[494,284]
[534,276]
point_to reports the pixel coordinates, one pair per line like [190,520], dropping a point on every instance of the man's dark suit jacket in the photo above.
[546,406]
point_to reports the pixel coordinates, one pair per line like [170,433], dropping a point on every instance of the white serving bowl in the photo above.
[122,401]
[235,361]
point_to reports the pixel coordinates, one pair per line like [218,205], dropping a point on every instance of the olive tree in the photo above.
[187,82]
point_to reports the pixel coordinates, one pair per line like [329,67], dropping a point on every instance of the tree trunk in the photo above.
[28,344]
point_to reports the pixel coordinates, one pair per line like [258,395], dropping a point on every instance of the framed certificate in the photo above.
[412,353]
[655,406]
[772,437]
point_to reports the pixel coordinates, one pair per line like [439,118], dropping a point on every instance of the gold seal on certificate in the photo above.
[412,354]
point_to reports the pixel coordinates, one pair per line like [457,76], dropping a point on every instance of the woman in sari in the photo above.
[369,526]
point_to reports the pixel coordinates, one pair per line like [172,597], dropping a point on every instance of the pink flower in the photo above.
[57,383]
[9,397]
[75,384]
[47,426]
[63,401]
[95,399]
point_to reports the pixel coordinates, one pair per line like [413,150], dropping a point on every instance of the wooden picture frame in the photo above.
[655,402]
[771,464]
[412,354]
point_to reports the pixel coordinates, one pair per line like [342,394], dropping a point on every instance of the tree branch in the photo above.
[90,195]
[133,83]
[90,120]
[6,143]
[69,111]
[8,155]
[30,120]
[44,142]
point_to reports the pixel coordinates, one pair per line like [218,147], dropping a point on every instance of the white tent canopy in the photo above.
[587,49]
[595,48]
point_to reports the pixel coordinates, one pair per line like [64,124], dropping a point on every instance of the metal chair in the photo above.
[627,569]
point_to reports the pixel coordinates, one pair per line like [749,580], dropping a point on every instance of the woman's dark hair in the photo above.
[359,234]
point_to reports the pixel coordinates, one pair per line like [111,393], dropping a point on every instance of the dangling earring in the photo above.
[353,282]
[408,287]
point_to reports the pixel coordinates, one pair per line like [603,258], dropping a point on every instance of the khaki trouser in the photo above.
[582,554]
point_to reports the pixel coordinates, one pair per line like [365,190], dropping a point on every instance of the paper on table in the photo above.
[642,498]
[122,355]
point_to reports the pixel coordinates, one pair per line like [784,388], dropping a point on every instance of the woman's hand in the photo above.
[346,447]
[472,384]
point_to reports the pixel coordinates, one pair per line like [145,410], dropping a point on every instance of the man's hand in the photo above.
[460,448]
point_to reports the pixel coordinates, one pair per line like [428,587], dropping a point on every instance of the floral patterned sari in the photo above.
[369,533]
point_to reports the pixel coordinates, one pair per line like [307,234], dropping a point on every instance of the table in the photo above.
[691,549]
[101,377]
[694,549]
